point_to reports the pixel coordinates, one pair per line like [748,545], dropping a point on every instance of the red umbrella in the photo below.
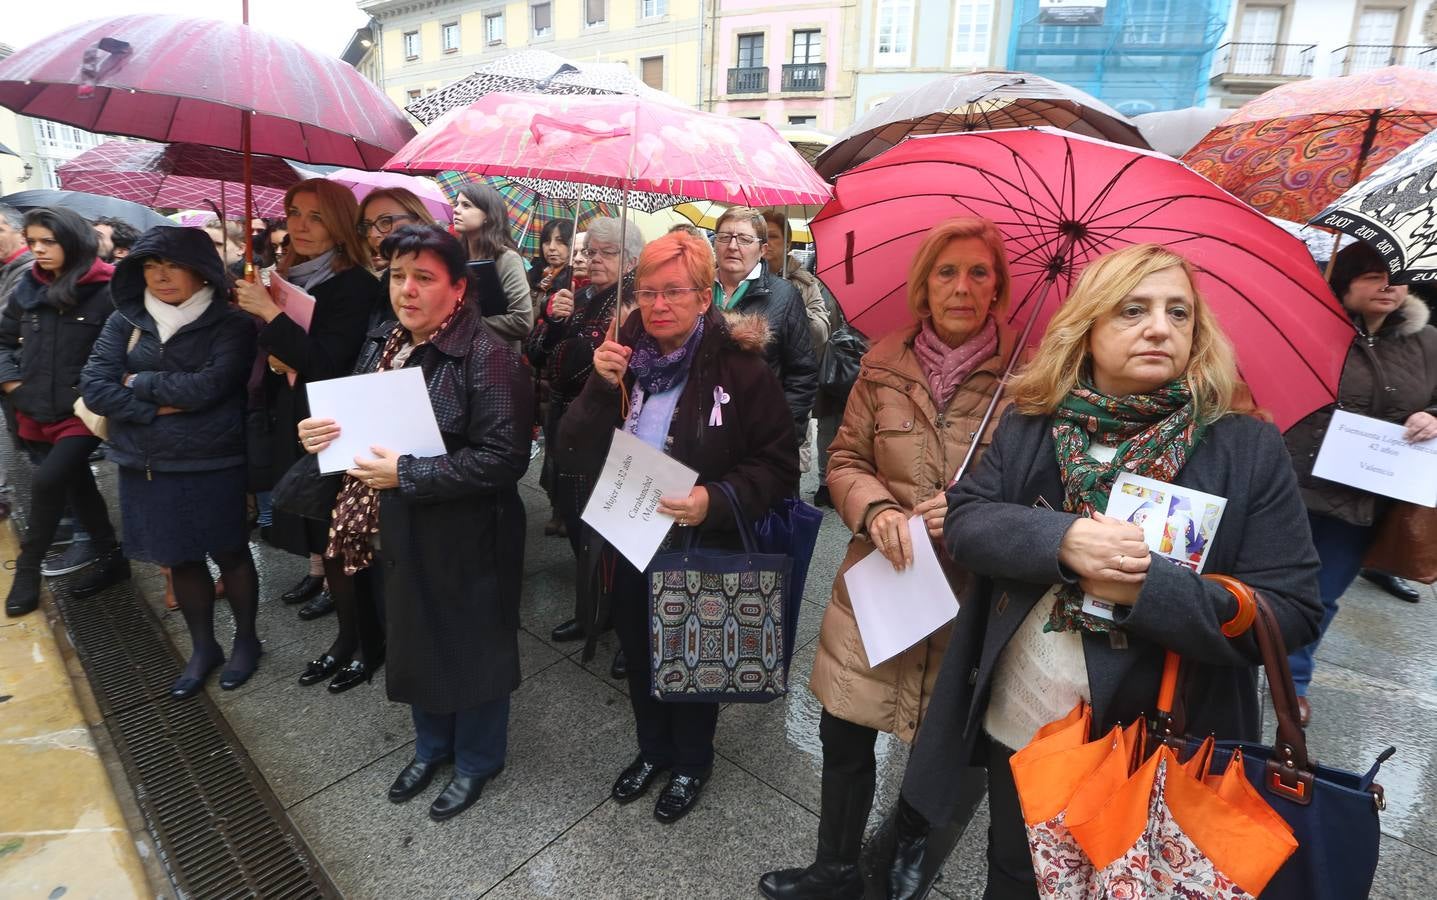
[1060,200]
[179,176]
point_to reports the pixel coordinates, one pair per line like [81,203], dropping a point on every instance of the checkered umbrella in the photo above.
[179,176]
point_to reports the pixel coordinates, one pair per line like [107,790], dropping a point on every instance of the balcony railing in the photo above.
[749,80]
[1289,61]
[1355,59]
[804,76]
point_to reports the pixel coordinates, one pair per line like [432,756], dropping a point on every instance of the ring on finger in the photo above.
[1121,560]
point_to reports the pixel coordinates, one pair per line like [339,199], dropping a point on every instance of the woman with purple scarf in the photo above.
[915,409]
[699,390]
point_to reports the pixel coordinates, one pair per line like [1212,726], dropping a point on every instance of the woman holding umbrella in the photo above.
[481,223]
[1132,375]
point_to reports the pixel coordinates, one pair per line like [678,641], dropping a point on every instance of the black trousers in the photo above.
[679,736]
[63,476]
[1010,865]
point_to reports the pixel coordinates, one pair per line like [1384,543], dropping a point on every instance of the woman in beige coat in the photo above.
[915,409]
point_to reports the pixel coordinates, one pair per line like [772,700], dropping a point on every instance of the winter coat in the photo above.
[815,304]
[44,347]
[202,368]
[452,534]
[790,346]
[11,273]
[998,529]
[514,324]
[1389,375]
[894,450]
[751,447]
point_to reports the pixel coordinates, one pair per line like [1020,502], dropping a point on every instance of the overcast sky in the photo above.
[321,25]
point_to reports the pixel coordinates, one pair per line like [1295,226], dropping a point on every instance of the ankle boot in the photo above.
[110,567]
[834,874]
[24,592]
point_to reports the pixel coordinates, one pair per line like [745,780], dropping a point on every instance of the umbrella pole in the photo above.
[245,116]
[1368,138]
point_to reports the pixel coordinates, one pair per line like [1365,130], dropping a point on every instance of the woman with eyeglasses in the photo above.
[483,227]
[383,210]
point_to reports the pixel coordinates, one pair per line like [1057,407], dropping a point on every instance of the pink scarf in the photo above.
[948,367]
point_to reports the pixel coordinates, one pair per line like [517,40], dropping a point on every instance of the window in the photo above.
[1376,36]
[972,33]
[651,70]
[653,9]
[595,12]
[807,47]
[411,45]
[413,94]
[494,29]
[895,32]
[449,37]
[804,121]
[1148,21]
[1255,52]
[750,51]
[541,14]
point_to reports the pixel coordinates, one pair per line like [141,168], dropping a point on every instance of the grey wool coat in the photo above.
[998,529]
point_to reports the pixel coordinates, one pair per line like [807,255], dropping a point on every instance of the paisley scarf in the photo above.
[945,367]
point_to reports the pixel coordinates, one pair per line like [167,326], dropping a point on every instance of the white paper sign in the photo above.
[624,505]
[1371,454]
[381,409]
[296,304]
[896,610]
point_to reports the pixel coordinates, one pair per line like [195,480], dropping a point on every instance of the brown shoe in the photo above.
[1304,711]
[170,600]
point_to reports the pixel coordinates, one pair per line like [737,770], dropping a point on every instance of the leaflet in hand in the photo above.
[1376,456]
[624,505]
[896,610]
[295,303]
[1178,523]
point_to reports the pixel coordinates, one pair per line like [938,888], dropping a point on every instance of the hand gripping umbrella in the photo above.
[1060,200]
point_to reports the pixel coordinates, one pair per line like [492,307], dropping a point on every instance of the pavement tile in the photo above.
[1404,872]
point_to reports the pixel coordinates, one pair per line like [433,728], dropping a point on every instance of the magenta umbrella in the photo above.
[1060,200]
[429,193]
[179,176]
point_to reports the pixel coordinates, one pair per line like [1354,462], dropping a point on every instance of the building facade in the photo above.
[423,45]
[39,146]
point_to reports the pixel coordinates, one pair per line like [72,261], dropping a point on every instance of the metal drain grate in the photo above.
[219,829]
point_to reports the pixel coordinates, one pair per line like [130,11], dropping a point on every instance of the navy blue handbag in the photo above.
[719,620]
[791,530]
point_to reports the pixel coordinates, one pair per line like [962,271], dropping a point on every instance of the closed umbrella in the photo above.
[91,206]
[179,176]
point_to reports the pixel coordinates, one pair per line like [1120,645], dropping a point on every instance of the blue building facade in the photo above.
[1142,56]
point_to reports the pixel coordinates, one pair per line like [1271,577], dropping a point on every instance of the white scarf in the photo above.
[170,317]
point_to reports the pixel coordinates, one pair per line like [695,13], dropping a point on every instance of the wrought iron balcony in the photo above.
[1238,62]
[1354,59]
[749,80]
[804,76]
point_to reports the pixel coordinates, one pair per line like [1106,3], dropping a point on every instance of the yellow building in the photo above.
[423,45]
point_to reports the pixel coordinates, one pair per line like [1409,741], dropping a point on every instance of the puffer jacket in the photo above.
[1388,375]
[894,450]
[202,369]
[790,345]
[45,347]
[11,272]
[815,304]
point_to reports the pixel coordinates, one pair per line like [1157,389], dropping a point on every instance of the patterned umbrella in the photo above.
[179,176]
[1296,148]
[528,207]
[705,214]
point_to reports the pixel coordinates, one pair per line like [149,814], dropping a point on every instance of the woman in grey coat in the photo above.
[1132,375]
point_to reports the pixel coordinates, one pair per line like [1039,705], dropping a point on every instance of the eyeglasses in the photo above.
[673,295]
[383,224]
[590,254]
[743,240]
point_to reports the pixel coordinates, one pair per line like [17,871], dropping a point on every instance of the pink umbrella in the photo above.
[1060,200]
[179,176]
[616,141]
[361,183]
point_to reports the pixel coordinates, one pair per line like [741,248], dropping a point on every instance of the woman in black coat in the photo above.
[49,325]
[446,532]
[673,359]
[169,373]
[1134,375]
[328,259]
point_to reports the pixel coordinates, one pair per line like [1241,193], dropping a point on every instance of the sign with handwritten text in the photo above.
[1373,455]
[624,505]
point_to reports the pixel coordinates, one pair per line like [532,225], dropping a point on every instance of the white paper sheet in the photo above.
[1372,455]
[623,506]
[295,303]
[896,610]
[381,409]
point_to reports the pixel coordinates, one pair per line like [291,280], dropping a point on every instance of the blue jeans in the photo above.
[1340,548]
[477,738]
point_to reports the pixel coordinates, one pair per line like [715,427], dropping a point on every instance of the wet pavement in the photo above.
[546,827]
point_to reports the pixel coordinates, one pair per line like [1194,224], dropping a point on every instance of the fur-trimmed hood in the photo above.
[748,331]
[1412,316]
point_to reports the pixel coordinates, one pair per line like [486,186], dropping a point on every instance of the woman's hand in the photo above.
[611,361]
[9,387]
[1119,592]
[254,299]
[690,510]
[380,473]
[889,532]
[561,305]
[1106,549]
[277,366]
[933,510]
[1421,426]
[316,434]
[546,281]
[168,410]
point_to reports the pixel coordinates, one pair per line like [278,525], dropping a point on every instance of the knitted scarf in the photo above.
[1154,434]
[313,272]
[945,367]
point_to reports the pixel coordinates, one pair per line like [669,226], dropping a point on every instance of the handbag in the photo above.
[842,358]
[792,531]
[1406,543]
[302,491]
[99,425]
[718,620]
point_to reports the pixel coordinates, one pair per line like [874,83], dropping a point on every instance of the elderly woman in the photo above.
[449,529]
[918,402]
[1132,375]
[383,210]
[669,360]
[1391,373]
[483,226]
[562,346]
[169,373]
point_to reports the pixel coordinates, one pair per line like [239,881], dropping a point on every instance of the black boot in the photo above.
[109,568]
[905,874]
[24,592]
[834,875]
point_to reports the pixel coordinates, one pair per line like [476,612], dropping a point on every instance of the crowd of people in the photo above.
[195,379]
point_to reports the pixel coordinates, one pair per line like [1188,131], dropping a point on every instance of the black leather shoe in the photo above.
[319,669]
[321,605]
[567,631]
[184,686]
[24,592]
[821,498]
[457,796]
[413,779]
[352,675]
[1392,585]
[109,568]
[905,874]
[634,781]
[619,668]
[308,586]
[678,797]
[820,881]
